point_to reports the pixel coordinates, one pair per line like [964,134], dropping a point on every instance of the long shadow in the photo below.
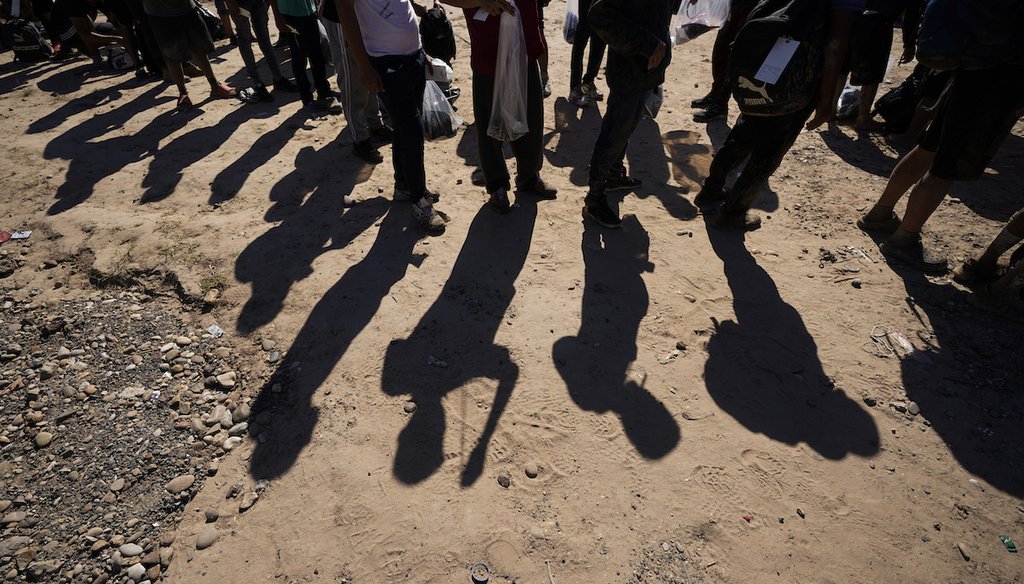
[458,331]
[577,131]
[168,164]
[594,364]
[967,383]
[18,75]
[764,369]
[89,129]
[229,181]
[90,161]
[862,152]
[684,146]
[649,162]
[284,407]
[310,209]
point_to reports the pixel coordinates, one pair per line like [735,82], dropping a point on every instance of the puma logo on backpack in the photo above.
[779,22]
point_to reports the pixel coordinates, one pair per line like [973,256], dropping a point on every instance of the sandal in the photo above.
[885,226]
[973,274]
[184,103]
[916,256]
[223,92]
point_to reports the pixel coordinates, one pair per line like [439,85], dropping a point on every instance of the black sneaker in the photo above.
[621,182]
[703,102]
[598,211]
[285,84]
[715,111]
[367,152]
[262,94]
[708,198]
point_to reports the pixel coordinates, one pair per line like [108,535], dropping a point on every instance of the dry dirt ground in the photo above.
[698,406]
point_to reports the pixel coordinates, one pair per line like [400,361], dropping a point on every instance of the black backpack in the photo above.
[897,106]
[971,34]
[27,41]
[797,86]
[211,20]
[437,35]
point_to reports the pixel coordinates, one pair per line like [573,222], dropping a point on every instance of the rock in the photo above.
[249,499]
[964,551]
[913,409]
[117,486]
[43,439]
[13,517]
[409,407]
[227,380]
[206,538]
[166,553]
[12,544]
[241,414]
[274,357]
[152,558]
[801,513]
[167,347]
[870,402]
[504,480]
[137,572]
[232,443]
[531,470]
[99,545]
[129,550]
[238,429]
[269,345]
[179,483]
[183,341]
[211,515]
[899,407]
[856,283]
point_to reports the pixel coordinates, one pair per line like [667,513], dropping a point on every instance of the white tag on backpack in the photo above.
[776,61]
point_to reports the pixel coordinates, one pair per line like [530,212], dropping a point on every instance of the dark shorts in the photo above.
[180,36]
[870,46]
[933,83]
[973,120]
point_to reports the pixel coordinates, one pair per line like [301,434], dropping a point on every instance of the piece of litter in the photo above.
[435,362]
[748,518]
[21,234]
[216,331]
[1010,546]
[156,395]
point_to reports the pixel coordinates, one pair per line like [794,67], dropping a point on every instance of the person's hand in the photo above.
[657,56]
[908,55]
[496,7]
[370,79]
[822,115]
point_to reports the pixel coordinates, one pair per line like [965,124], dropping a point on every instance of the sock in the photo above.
[1003,242]
[902,237]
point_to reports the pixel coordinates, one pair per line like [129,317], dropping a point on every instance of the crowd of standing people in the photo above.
[957,107]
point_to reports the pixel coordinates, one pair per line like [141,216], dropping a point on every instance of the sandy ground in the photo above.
[698,405]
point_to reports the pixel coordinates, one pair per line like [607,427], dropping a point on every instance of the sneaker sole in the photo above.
[587,215]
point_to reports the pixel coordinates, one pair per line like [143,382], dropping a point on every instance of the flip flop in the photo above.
[223,92]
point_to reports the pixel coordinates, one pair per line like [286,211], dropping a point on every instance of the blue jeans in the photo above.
[620,119]
[404,80]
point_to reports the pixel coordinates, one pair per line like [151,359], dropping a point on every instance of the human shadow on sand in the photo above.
[763,369]
[454,342]
[594,364]
[966,381]
[284,406]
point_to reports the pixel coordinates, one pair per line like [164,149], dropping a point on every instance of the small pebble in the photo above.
[531,470]
[504,480]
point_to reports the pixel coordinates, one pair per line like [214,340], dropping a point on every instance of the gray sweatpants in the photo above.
[361,107]
[244,28]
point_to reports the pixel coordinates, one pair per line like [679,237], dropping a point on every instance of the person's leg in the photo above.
[243,29]
[579,47]
[907,173]
[867,101]
[492,159]
[404,81]
[261,30]
[177,76]
[597,47]
[620,119]
[774,137]
[737,147]
[1008,237]
[309,35]
[203,62]
[529,149]
[298,52]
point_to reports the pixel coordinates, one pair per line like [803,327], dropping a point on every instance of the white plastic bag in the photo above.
[572,20]
[439,118]
[693,20]
[508,108]
[652,103]
[439,72]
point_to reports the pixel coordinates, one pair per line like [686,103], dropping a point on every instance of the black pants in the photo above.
[584,35]
[404,80]
[529,149]
[765,140]
[305,46]
[620,120]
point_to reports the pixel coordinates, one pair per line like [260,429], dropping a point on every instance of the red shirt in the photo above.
[483,37]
